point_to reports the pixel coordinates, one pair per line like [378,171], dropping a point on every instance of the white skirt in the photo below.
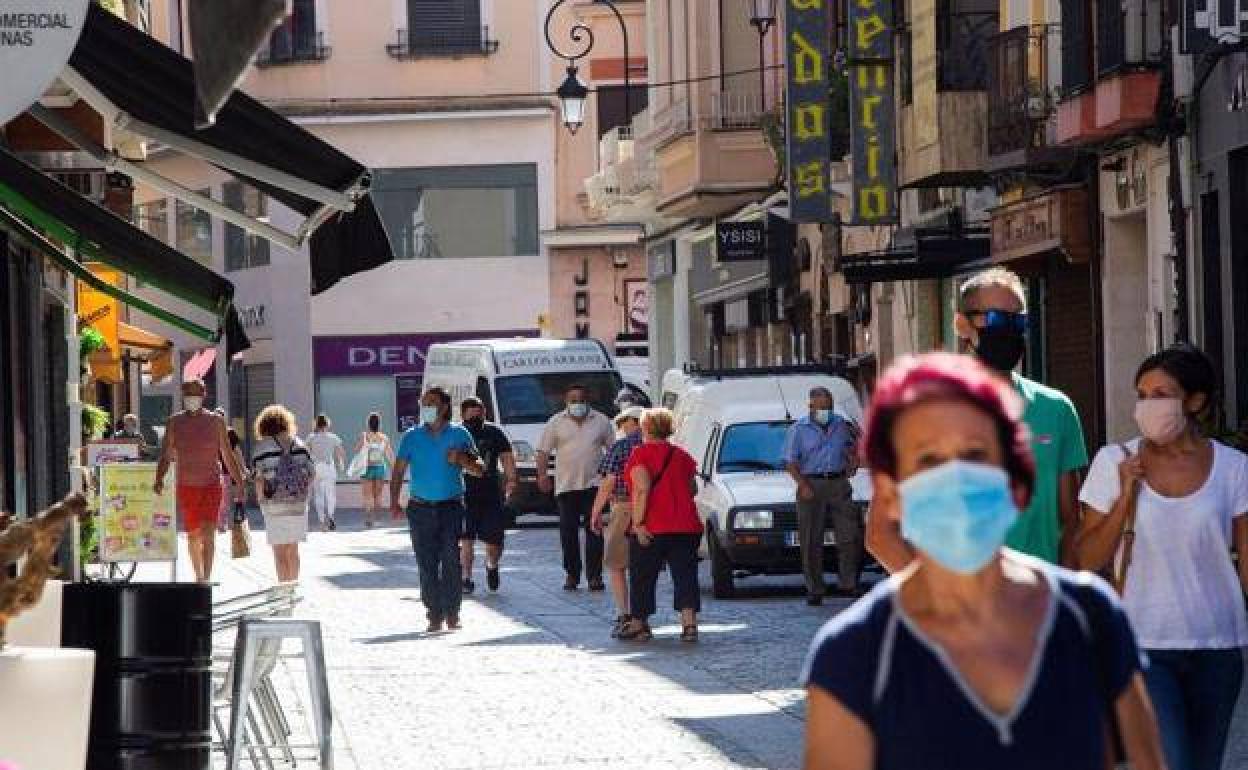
[285,524]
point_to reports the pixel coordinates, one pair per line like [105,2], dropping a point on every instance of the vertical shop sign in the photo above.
[101,311]
[872,118]
[808,58]
[407,390]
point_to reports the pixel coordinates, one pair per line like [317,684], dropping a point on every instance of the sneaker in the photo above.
[491,578]
[571,583]
[332,524]
[453,624]
[621,622]
[596,584]
[469,586]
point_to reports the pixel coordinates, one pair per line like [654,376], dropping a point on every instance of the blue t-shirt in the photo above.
[819,449]
[879,665]
[433,479]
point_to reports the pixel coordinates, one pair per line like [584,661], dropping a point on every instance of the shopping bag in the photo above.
[359,464]
[240,534]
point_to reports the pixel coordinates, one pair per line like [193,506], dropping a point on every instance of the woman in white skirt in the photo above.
[283,471]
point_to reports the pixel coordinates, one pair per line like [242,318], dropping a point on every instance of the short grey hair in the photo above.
[996,276]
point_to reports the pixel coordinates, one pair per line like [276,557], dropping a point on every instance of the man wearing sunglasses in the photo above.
[991,322]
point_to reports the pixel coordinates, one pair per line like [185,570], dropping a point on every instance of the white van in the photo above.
[522,382]
[734,424]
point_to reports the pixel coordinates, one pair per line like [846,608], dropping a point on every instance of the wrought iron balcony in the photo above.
[286,49]
[1020,97]
[447,42]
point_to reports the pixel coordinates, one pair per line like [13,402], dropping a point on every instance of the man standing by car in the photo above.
[614,492]
[485,519]
[820,453]
[197,440]
[580,434]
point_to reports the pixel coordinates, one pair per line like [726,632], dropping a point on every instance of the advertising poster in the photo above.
[407,391]
[112,451]
[135,523]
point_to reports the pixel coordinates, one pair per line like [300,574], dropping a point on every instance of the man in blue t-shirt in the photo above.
[439,454]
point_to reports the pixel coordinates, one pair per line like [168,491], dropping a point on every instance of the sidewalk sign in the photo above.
[136,524]
[112,450]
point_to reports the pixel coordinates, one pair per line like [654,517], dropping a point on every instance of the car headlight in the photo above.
[753,520]
[523,451]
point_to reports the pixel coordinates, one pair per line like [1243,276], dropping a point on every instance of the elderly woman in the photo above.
[284,470]
[666,528]
[974,656]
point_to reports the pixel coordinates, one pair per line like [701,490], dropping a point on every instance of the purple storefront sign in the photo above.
[379,355]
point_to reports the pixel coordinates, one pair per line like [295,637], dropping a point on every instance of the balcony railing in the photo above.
[1020,99]
[288,50]
[733,110]
[450,42]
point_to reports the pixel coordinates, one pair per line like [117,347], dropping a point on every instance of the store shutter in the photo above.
[259,392]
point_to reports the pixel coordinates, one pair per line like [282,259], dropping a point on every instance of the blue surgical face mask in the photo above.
[823,416]
[578,409]
[429,414]
[958,513]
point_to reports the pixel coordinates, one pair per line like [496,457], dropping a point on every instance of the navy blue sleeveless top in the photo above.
[879,665]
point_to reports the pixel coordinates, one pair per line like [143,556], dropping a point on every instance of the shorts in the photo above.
[374,473]
[285,525]
[484,520]
[615,553]
[199,506]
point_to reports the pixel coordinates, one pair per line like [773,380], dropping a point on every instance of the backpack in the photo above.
[293,478]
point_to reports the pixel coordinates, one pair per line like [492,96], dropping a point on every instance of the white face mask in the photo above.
[428,415]
[193,403]
[578,409]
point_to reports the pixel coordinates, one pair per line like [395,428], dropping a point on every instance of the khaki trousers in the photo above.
[833,499]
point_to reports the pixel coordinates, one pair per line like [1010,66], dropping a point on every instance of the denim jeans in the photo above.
[1194,693]
[435,530]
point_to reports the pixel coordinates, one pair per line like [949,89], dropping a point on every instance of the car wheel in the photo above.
[722,586]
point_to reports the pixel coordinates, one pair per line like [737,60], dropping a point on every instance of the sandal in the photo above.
[636,631]
[689,634]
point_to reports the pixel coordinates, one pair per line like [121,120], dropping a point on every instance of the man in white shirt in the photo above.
[326,450]
[580,435]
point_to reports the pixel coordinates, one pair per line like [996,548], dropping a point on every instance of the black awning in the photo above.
[98,234]
[154,85]
[920,254]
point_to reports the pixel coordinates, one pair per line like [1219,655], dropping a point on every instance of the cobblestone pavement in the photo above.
[533,679]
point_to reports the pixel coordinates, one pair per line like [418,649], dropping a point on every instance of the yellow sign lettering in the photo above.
[807,62]
[810,178]
[867,30]
[808,121]
[808,5]
[873,159]
[869,106]
[873,202]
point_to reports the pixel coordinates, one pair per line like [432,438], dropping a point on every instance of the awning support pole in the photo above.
[114,162]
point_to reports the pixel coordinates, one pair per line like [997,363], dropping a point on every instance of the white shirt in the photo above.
[323,446]
[578,448]
[1182,591]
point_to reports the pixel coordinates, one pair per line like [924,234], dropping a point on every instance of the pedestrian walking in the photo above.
[197,440]
[991,321]
[438,454]
[820,454]
[975,655]
[485,518]
[1163,513]
[613,497]
[666,528]
[579,435]
[284,472]
[374,447]
[326,449]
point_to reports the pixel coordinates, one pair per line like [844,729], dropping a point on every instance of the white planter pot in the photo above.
[44,725]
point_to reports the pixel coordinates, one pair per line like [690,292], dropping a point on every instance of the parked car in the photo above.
[734,424]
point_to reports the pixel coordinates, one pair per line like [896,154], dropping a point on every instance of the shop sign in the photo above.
[1205,24]
[808,59]
[36,40]
[252,316]
[101,312]
[136,524]
[112,450]
[1055,221]
[407,389]
[384,355]
[739,241]
[872,118]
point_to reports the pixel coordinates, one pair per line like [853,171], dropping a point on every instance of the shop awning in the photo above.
[150,91]
[920,254]
[95,234]
[198,366]
[134,337]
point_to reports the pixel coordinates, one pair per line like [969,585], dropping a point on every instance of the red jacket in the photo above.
[670,509]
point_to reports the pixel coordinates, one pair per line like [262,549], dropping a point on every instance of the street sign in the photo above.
[36,40]
[739,241]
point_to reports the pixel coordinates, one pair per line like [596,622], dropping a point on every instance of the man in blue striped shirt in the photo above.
[821,453]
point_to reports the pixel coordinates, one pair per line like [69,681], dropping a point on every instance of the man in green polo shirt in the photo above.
[991,321]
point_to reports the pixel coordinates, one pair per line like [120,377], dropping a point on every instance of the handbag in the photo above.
[1126,539]
[240,534]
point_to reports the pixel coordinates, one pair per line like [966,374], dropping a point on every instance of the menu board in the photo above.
[136,524]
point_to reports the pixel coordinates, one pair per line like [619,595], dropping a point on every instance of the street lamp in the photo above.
[762,18]
[572,93]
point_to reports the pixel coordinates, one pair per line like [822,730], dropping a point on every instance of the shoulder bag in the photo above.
[1119,567]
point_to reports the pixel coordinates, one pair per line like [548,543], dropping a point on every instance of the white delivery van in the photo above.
[734,423]
[522,382]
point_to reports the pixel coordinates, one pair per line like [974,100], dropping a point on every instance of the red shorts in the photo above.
[199,506]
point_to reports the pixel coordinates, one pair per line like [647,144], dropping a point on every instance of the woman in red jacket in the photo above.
[666,527]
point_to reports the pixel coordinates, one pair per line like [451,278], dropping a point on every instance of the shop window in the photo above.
[242,249]
[349,400]
[963,29]
[194,232]
[460,211]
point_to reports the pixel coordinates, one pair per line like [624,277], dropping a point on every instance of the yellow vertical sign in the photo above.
[101,312]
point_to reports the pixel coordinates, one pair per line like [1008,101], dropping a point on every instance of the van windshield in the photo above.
[535,398]
[753,446]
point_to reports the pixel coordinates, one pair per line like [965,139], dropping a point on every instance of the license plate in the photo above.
[791,539]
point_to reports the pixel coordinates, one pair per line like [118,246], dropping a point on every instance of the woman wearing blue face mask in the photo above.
[974,656]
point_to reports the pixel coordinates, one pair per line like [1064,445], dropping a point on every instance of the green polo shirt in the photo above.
[1058,446]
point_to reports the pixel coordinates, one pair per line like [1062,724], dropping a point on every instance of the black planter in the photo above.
[152,696]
